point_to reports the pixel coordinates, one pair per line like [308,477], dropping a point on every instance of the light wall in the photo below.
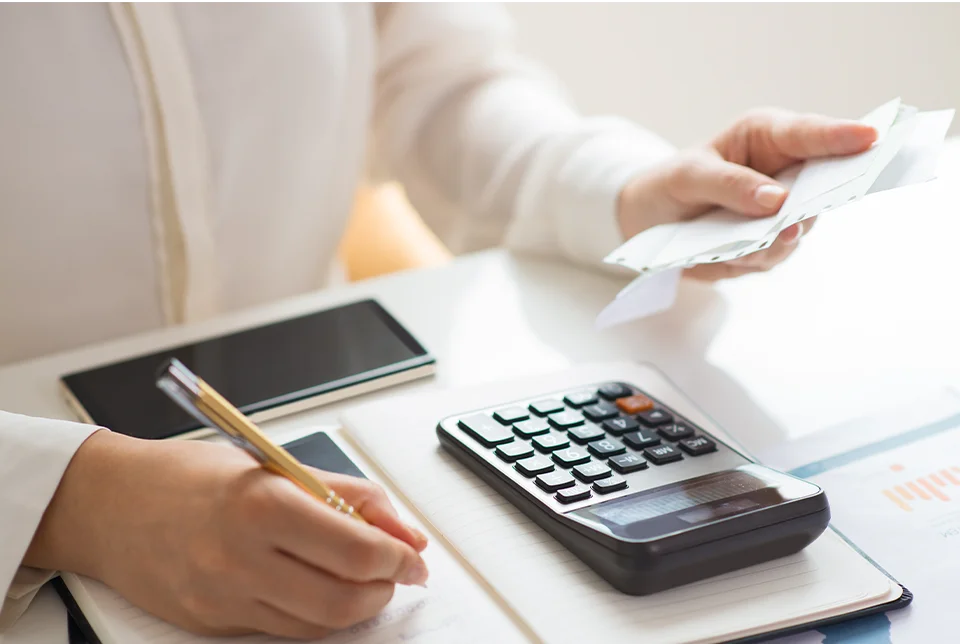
[686,70]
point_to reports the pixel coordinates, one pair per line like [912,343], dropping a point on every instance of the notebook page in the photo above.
[559,597]
[452,609]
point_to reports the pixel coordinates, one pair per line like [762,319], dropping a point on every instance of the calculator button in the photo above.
[610,484]
[534,465]
[553,481]
[614,390]
[570,456]
[585,433]
[591,471]
[580,399]
[606,447]
[676,431]
[531,427]
[550,442]
[544,407]
[634,404]
[600,411]
[566,419]
[698,445]
[661,454]
[573,494]
[511,415]
[486,430]
[640,439]
[617,426]
[514,451]
[654,417]
[626,463]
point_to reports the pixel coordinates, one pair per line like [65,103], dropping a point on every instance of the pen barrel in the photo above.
[313,486]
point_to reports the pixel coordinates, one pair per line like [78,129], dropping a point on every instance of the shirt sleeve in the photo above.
[34,453]
[485,144]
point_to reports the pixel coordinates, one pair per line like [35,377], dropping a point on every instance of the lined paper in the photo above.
[560,598]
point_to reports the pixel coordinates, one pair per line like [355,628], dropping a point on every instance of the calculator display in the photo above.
[694,503]
[696,496]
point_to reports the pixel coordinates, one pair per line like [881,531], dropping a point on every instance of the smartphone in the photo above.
[266,372]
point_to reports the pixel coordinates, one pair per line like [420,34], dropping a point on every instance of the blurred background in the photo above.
[687,70]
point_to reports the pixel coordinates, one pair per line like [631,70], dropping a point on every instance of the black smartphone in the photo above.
[266,372]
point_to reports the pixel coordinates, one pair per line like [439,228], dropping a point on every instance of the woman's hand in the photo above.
[198,534]
[734,171]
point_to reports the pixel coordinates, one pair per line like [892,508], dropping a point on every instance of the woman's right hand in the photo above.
[201,536]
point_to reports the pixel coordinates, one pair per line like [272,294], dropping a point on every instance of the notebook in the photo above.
[549,590]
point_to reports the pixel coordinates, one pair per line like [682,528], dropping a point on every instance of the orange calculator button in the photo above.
[634,404]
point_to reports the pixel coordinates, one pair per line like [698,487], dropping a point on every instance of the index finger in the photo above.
[373,505]
[804,136]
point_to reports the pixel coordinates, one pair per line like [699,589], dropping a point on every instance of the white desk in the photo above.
[837,331]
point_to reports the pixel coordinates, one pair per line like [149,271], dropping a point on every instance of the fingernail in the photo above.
[857,135]
[419,537]
[769,195]
[416,575]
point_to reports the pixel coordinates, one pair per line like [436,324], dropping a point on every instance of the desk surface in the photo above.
[863,317]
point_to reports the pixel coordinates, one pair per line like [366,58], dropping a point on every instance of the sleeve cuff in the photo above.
[569,200]
[35,453]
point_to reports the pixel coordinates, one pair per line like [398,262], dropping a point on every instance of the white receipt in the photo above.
[906,152]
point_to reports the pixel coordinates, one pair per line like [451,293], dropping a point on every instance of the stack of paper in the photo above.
[905,153]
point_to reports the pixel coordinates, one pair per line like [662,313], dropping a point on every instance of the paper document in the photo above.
[906,152]
[893,482]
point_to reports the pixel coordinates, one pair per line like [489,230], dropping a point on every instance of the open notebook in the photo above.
[497,577]
[559,598]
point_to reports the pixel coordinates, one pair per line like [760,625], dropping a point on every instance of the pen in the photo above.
[201,401]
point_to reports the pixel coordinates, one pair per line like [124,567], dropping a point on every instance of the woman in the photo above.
[152,150]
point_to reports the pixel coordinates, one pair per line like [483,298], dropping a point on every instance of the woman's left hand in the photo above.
[734,172]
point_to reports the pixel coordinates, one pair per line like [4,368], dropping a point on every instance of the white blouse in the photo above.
[163,163]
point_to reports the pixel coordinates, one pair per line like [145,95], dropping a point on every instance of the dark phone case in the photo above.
[317,450]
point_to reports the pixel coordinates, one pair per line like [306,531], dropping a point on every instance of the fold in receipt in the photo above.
[906,152]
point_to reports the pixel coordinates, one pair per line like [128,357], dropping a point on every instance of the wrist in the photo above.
[75,526]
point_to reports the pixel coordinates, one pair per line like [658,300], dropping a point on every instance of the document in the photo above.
[893,481]
[906,152]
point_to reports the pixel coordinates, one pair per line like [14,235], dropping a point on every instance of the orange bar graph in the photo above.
[923,488]
[919,492]
[903,492]
[903,506]
[932,490]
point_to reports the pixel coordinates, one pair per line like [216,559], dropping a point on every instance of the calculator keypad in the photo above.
[606,447]
[548,442]
[600,411]
[587,443]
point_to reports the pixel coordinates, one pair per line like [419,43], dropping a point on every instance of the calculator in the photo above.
[642,495]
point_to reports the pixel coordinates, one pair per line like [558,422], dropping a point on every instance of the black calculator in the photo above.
[645,497]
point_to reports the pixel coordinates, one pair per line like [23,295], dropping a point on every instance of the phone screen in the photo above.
[256,370]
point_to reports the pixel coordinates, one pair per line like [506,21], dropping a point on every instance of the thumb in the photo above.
[711,181]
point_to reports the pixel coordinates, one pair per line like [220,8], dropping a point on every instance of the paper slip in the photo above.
[906,152]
